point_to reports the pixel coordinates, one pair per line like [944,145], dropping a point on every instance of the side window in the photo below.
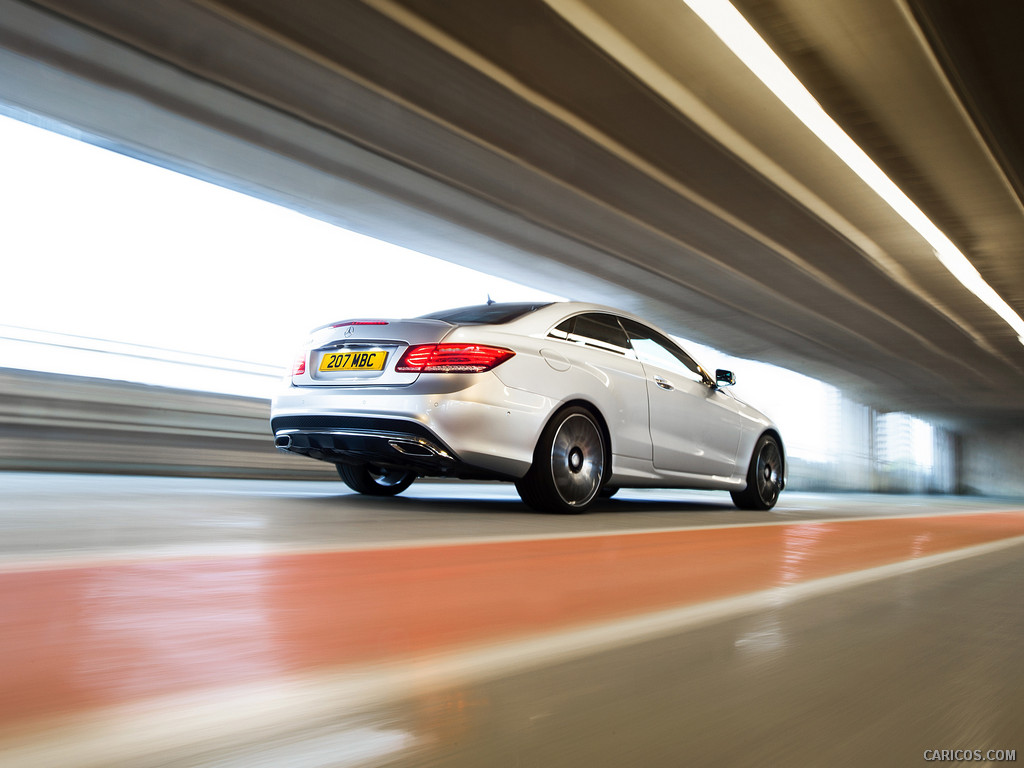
[657,349]
[602,331]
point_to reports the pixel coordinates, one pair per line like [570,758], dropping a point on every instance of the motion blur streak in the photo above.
[77,638]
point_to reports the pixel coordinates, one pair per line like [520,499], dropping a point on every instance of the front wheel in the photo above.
[764,477]
[568,464]
[375,481]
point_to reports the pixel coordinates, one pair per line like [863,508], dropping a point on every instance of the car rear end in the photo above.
[417,394]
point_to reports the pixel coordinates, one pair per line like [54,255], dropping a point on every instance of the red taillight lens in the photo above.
[452,358]
[299,367]
[416,358]
[360,322]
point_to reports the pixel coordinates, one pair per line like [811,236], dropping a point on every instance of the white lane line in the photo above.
[234,718]
[64,560]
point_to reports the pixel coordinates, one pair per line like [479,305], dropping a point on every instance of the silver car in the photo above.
[569,401]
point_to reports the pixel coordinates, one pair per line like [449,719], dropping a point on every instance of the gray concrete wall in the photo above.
[992,461]
[52,422]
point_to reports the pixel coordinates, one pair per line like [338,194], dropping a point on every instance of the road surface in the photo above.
[184,622]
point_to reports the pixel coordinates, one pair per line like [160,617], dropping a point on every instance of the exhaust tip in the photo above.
[412,448]
[283,442]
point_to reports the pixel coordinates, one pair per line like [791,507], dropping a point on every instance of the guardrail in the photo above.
[57,422]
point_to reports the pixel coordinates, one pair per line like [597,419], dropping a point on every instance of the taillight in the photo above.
[299,367]
[452,358]
[360,322]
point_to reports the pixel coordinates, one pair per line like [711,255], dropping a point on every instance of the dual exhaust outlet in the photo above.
[415,447]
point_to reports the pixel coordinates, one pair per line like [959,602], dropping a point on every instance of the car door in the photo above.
[615,378]
[694,426]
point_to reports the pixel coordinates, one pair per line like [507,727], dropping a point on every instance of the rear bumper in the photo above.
[357,440]
[484,430]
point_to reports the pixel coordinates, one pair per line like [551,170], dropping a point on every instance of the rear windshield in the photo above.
[484,314]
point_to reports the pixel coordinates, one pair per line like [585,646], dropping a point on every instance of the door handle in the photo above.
[662,383]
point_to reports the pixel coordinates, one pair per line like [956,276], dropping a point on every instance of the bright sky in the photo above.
[103,246]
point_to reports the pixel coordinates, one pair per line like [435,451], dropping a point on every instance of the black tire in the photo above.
[568,464]
[375,481]
[607,492]
[764,477]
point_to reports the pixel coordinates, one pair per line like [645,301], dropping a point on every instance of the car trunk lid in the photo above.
[365,352]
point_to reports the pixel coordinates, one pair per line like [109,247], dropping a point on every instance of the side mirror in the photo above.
[725,378]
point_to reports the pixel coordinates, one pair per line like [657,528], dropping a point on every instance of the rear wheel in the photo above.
[764,477]
[375,481]
[568,464]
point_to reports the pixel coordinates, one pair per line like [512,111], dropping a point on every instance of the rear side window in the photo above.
[594,329]
[563,330]
[484,314]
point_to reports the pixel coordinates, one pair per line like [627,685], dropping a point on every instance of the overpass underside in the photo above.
[619,148]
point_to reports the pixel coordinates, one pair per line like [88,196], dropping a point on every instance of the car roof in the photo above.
[559,309]
[491,313]
[501,313]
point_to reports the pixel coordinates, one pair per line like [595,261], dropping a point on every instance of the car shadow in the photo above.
[661,505]
[466,506]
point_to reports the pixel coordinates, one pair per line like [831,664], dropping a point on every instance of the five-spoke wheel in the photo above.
[764,477]
[568,464]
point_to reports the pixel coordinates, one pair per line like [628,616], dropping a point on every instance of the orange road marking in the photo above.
[84,637]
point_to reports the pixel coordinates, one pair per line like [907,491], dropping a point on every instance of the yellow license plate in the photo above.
[353,360]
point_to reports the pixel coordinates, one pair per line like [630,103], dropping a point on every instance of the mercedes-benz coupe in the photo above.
[569,401]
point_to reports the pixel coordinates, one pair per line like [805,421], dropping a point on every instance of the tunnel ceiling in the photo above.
[606,150]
